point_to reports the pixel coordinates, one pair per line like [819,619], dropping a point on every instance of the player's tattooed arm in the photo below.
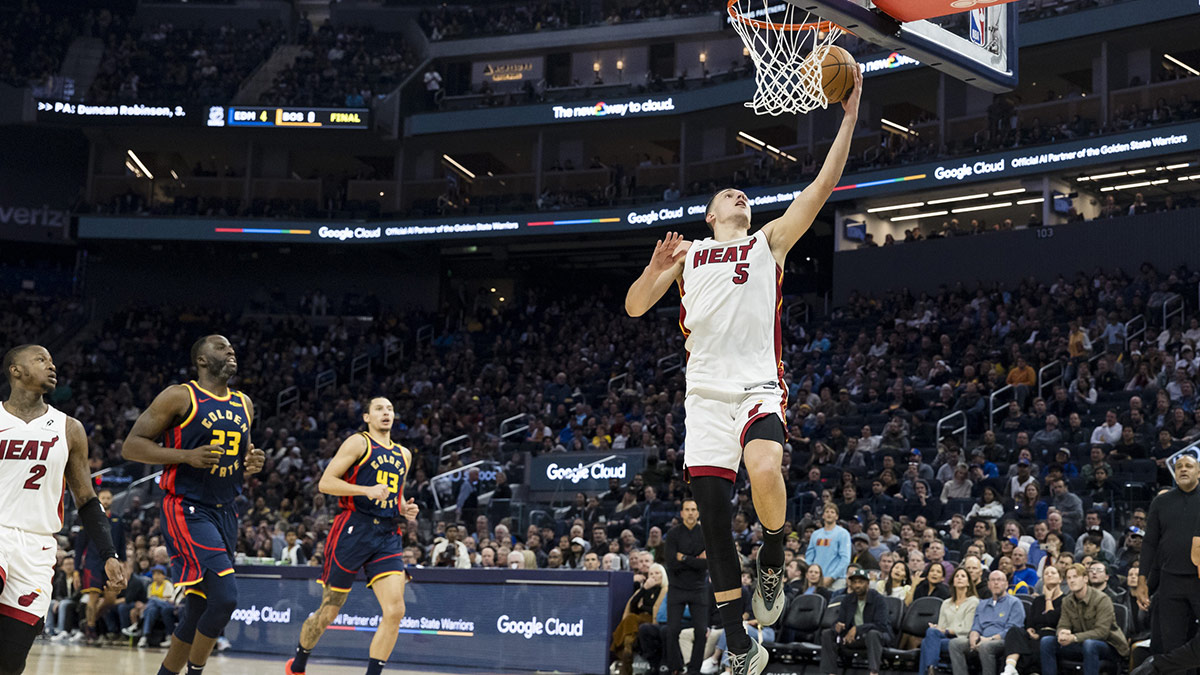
[168,409]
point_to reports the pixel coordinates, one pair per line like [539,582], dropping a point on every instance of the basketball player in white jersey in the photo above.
[730,288]
[40,449]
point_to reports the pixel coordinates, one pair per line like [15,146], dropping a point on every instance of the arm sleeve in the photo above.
[96,525]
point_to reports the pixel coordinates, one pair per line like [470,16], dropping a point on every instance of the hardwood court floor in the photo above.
[68,659]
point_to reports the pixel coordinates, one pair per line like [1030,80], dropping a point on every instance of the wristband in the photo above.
[95,525]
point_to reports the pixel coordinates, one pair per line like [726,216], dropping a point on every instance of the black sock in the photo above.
[374,666]
[735,633]
[300,660]
[771,553]
[193,669]
[162,670]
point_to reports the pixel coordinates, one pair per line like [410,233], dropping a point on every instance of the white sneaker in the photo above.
[1009,669]
[223,644]
[131,631]
[752,662]
[711,665]
[143,642]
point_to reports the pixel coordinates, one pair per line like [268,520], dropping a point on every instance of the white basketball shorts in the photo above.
[717,423]
[27,568]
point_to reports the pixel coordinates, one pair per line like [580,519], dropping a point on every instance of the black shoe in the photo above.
[1147,668]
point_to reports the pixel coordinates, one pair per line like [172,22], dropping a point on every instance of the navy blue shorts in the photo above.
[199,539]
[92,577]
[357,541]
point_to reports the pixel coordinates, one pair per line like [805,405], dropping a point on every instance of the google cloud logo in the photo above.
[600,109]
[893,60]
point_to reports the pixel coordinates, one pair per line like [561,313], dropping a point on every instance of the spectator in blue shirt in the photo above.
[829,547]
[1024,577]
[993,618]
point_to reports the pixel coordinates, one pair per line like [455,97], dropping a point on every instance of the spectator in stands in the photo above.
[449,551]
[895,582]
[989,507]
[292,553]
[1087,628]
[1022,645]
[1023,578]
[959,487]
[640,609]
[930,583]
[994,616]
[1110,431]
[954,619]
[1069,506]
[829,547]
[868,629]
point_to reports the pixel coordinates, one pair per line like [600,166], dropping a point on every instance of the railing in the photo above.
[453,442]
[505,432]
[1043,381]
[946,421]
[394,348]
[670,363]
[798,308]
[425,333]
[992,403]
[1130,334]
[1177,301]
[617,379]
[360,364]
[286,397]
[326,379]
[442,485]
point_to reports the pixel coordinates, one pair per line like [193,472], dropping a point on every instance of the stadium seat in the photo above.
[801,621]
[915,622]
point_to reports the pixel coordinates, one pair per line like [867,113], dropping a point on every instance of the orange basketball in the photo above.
[837,78]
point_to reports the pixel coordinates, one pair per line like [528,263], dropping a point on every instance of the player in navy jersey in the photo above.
[89,562]
[200,432]
[367,473]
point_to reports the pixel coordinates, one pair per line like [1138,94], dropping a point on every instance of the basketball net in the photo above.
[787,52]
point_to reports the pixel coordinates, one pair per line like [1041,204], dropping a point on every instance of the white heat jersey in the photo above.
[729,301]
[33,465]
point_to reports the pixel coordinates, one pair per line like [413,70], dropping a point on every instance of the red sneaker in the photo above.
[287,668]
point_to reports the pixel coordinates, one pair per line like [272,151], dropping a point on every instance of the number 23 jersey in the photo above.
[729,303]
[213,420]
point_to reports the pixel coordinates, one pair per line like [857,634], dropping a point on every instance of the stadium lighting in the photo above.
[1181,64]
[1013,191]
[138,161]
[963,198]
[898,127]
[454,164]
[1172,167]
[1036,200]
[981,207]
[753,142]
[896,207]
[1130,186]
[915,216]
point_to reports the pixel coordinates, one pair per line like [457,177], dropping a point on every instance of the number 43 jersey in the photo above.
[379,464]
[729,303]
[213,420]
[33,463]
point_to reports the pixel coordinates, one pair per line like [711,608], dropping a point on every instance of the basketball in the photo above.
[837,78]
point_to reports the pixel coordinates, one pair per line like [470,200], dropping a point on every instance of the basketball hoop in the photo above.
[787,54]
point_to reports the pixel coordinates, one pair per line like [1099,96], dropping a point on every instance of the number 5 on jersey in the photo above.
[741,272]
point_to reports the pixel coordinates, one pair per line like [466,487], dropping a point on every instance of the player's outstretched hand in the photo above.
[203,457]
[411,509]
[850,105]
[665,252]
[115,569]
[378,492]
[255,458]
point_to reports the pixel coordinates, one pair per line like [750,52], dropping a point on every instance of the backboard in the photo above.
[976,43]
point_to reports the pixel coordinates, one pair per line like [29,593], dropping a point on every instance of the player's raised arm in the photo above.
[167,410]
[91,514]
[783,232]
[666,266]
[332,482]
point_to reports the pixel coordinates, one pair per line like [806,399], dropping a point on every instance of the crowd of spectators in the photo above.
[342,66]
[455,21]
[865,389]
[166,64]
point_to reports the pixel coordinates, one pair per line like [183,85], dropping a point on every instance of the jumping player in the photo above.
[40,449]
[368,474]
[730,288]
[90,564]
[204,428]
